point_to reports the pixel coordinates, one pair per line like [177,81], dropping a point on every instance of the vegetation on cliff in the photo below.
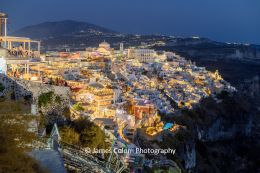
[13,149]
[9,107]
[1,87]
[84,133]
[216,128]
[78,107]
[47,98]
[53,107]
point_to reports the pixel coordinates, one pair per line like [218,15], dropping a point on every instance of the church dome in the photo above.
[104,45]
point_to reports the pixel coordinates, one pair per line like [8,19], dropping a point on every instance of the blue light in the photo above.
[167,126]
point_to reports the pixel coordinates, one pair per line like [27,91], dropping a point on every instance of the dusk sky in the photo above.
[221,20]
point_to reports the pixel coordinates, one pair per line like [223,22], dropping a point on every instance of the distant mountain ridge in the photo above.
[76,35]
[60,29]
[60,35]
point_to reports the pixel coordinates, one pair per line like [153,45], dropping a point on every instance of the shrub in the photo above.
[69,135]
[78,107]
[58,99]
[13,153]
[45,98]
[92,137]
[84,133]
[1,87]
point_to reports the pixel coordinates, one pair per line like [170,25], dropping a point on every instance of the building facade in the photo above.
[143,55]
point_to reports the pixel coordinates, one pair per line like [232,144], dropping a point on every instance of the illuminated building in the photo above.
[16,58]
[143,55]
[3,64]
[104,45]
[106,123]
[141,108]
[117,95]
[121,47]
[102,96]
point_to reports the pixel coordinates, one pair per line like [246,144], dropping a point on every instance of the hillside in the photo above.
[48,30]
[75,35]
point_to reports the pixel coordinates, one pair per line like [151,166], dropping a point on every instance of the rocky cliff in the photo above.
[219,135]
[48,100]
[218,130]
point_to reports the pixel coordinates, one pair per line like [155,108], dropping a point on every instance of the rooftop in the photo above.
[96,85]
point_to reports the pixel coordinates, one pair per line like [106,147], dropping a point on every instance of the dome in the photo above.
[104,45]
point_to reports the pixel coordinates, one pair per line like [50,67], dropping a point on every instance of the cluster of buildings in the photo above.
[120,90]
[124,89]
[167,80]
[140,82]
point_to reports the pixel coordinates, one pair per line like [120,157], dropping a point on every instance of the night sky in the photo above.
[221,20]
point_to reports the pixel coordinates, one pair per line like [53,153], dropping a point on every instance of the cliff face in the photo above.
[220,135]
[222,129]
[53,110]
[190,156]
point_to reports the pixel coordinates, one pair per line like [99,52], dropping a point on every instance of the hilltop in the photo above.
[56,29]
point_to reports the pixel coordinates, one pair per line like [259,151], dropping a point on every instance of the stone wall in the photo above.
[11,86]
[38,88]
[32,90]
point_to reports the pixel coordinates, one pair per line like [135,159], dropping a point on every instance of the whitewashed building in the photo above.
[143,55]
